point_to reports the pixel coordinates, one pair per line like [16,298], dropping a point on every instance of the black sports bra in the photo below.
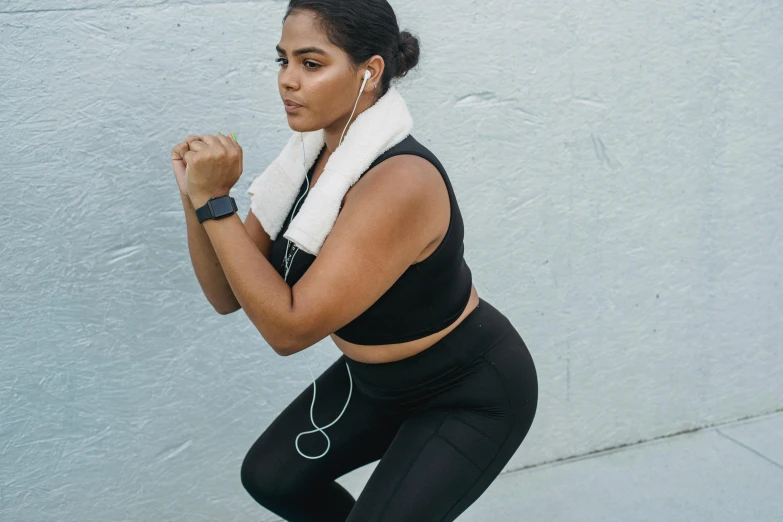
[426,298]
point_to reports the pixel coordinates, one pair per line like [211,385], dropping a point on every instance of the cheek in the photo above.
[327,93]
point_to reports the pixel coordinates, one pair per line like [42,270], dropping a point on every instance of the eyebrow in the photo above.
[303,50]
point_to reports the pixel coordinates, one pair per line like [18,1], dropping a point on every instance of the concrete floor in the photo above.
[733,472]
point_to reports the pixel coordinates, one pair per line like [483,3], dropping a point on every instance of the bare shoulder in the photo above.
[402,176]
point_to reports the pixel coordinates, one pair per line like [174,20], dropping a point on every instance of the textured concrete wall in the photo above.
[618,165]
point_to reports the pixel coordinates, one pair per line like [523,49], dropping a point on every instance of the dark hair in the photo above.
[364,28]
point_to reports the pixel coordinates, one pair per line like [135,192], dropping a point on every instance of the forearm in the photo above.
[264,296]
[206,264]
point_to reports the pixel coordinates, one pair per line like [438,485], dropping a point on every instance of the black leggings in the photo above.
[443,423]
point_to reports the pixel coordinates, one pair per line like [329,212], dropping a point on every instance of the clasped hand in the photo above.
[213,166]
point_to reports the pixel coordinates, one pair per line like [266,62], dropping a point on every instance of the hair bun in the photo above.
[408,55]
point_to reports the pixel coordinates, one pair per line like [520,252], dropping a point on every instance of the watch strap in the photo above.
[204,213]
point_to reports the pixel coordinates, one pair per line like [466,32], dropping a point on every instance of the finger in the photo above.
[183,147]
[232,145]
[178,150]
[227,142]
[210,140]
[213,143]
[198,145]
[189,156]
[239,148]
[235,143]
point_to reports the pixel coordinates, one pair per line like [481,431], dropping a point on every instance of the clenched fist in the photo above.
[179,165]
[207,166]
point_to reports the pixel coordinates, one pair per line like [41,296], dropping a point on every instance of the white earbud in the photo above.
[367,75]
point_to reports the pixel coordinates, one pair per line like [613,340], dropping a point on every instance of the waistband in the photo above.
[482,329]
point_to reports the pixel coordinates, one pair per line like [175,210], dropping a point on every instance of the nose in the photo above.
[287,79]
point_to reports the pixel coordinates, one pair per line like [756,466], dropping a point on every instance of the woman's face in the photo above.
[321,79]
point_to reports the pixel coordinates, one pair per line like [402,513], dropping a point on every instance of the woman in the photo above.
[446,389]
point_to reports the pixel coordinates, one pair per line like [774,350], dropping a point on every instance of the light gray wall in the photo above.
[618,165]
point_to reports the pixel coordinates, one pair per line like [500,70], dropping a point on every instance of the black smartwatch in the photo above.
[217,208]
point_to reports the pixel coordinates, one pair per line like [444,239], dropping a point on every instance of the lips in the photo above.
[291,107]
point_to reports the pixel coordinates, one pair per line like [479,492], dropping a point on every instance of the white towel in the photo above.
[273,192]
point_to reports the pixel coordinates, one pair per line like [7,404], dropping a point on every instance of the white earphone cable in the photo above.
[287,268]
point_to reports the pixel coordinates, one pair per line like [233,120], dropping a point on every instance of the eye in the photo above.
[283,61]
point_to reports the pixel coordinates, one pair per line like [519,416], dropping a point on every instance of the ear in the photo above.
[376,66]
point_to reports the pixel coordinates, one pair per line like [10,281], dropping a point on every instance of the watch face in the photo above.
[221,207]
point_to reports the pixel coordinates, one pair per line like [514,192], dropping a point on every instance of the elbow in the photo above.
[284,348]
[288,343]
[282,352]
[224,310]
[285,335]
[288,337]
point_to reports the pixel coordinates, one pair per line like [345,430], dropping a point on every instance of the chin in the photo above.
[298,125]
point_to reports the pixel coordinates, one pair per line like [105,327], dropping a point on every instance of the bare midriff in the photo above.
[381,353]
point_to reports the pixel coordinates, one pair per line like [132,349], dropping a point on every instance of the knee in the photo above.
[265,478]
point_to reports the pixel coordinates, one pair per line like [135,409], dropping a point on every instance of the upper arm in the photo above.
[258,234]
[383,226]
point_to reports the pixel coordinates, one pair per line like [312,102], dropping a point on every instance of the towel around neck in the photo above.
[273,192]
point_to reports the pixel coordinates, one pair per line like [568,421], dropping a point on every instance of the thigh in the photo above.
[359,437]
[442,459]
